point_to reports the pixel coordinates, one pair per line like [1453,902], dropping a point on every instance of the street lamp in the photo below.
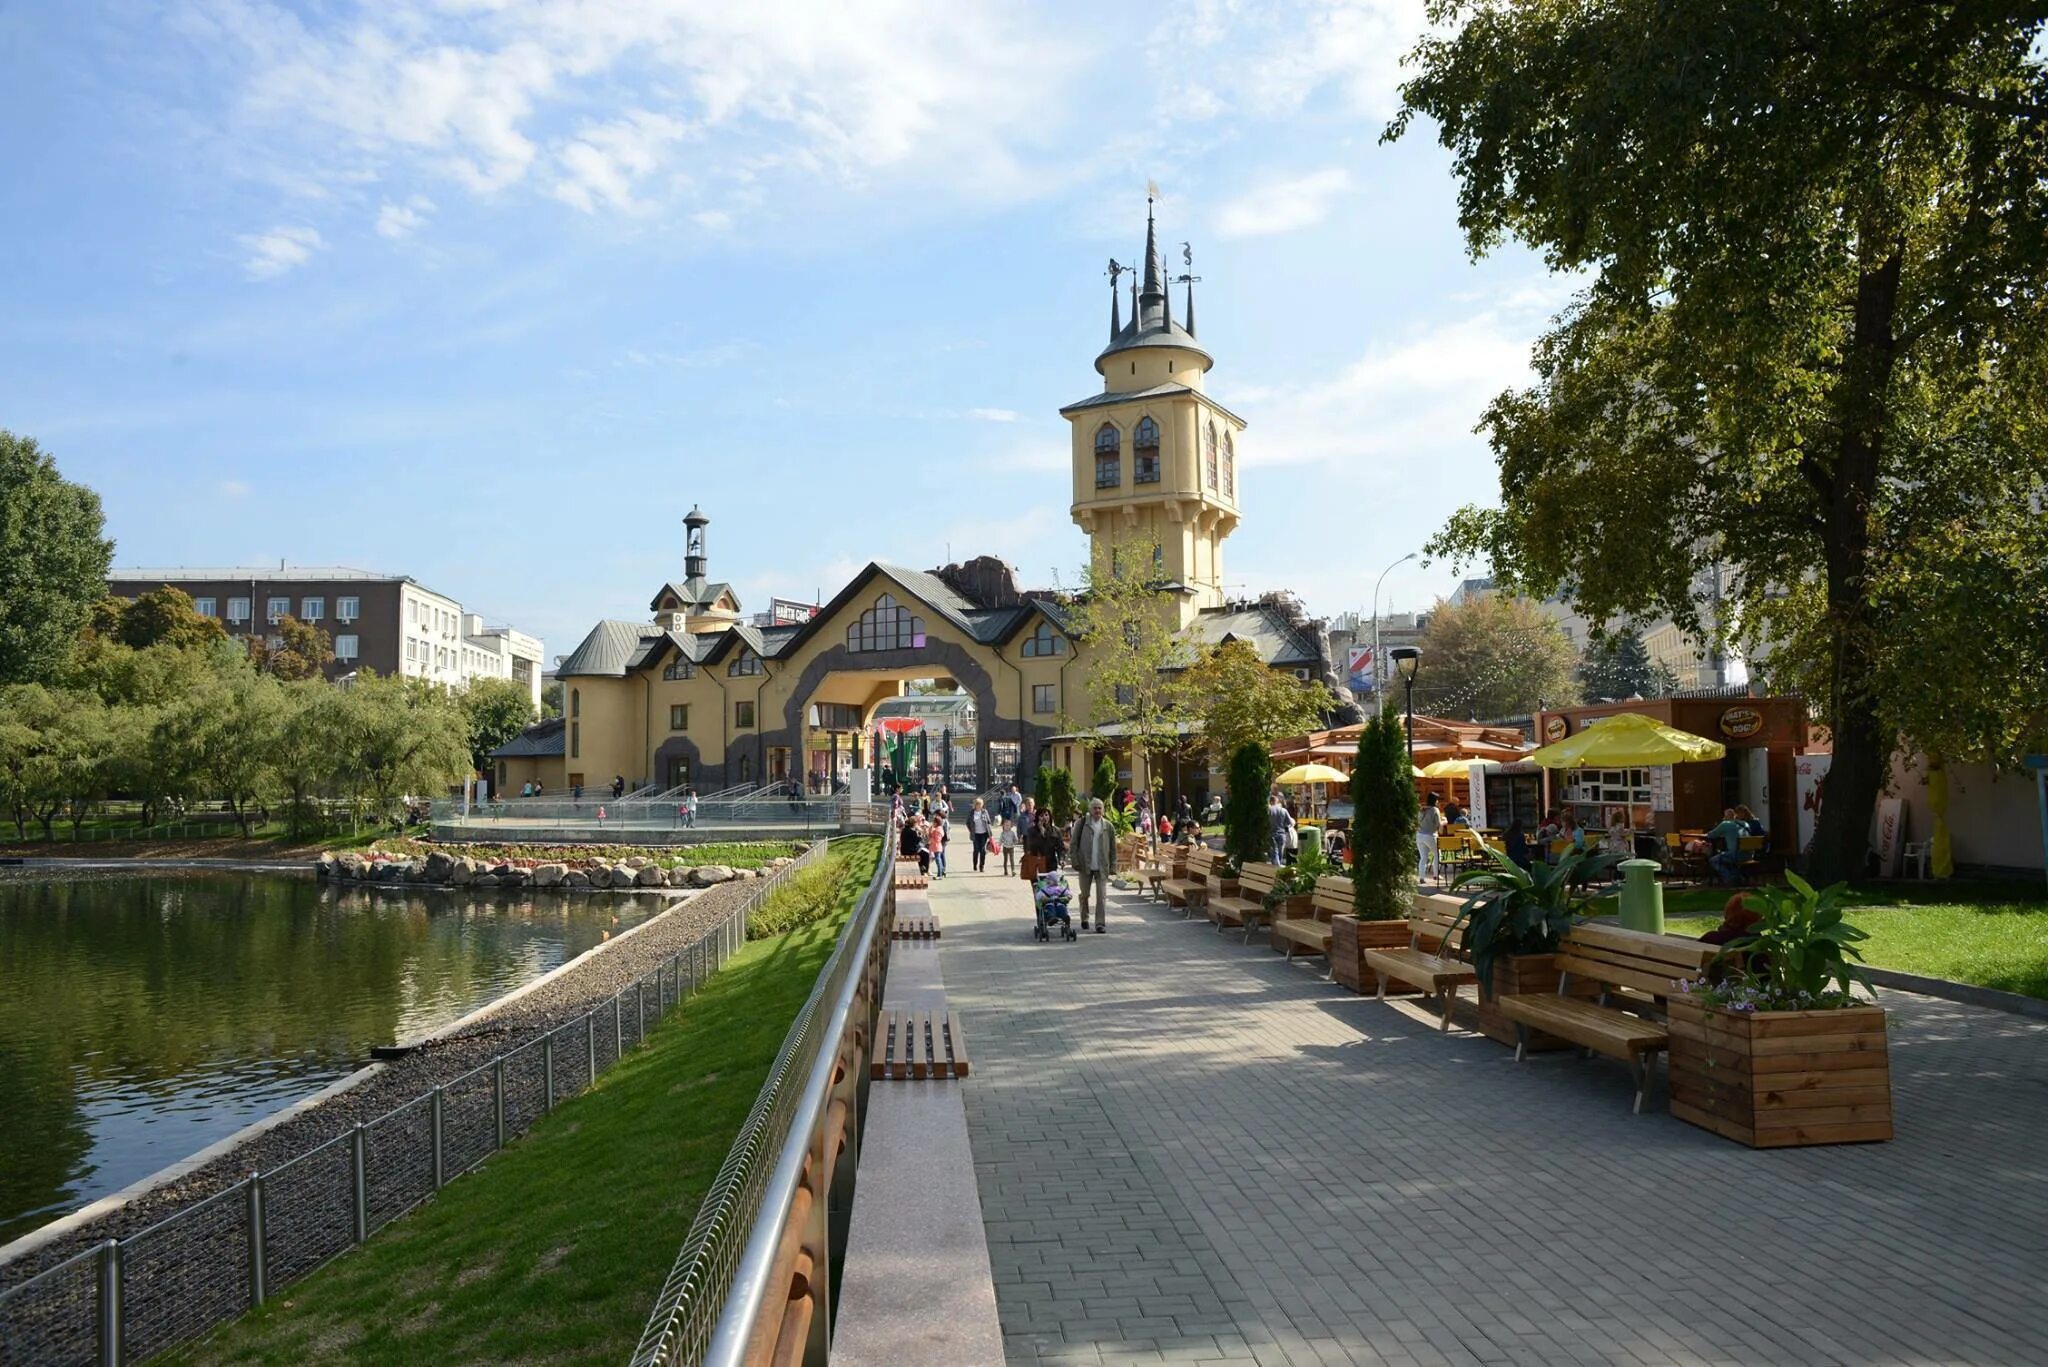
[1408,659]
[1376,672]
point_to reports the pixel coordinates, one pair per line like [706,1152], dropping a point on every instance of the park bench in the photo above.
[1135,858]
[1191,889]
[1436,970]
[1311,933]
[1635,972]
[1247,906]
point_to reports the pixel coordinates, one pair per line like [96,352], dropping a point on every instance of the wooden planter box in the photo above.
[1350,938]
[1530,974]
[1777,1079]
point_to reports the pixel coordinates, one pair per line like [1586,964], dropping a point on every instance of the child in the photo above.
[1006,845]
[935,836]
[1049,903]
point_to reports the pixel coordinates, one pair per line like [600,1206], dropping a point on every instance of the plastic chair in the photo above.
[1916,853]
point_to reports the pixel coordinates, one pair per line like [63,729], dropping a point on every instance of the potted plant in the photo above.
[1513,919]
[1383,867]
[1772,1047]
[1294,887]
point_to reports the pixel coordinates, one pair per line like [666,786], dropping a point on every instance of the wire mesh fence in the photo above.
[127,1299]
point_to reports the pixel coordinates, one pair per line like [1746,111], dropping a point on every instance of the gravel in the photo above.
[564,998]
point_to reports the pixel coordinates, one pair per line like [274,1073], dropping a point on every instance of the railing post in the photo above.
[640,1011]
[548,1068]
[590,1043]
[110,1325]
[359,1167]
[618,1026]
[498,1095]
[440,1173]
[257,1289]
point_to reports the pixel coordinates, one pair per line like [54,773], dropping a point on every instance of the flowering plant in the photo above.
[1800,955]
[1749,995]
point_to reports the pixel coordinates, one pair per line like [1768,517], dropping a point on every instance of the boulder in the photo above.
[650,876]
[416,871]
[349,867]
[440,867]
[621,876]
[461,873]
[575,878]
[515,878]
[704,875]
[323,867]
[549,875]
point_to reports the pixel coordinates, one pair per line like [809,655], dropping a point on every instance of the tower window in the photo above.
[886,626]
[1109,457]
[1145,452]
[1209,453]
[1229,467]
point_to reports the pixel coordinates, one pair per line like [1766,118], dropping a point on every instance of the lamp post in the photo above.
[1408,659]
[1376,672]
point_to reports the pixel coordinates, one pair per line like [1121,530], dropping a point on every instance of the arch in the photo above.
[1209,454]
[1145,452]
[1109,457]
[1229,466]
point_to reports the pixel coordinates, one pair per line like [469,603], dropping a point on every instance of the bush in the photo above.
[815,894]
[1063,804]
[1041,788]
[1383,799]
[1105,778]
[1247,830]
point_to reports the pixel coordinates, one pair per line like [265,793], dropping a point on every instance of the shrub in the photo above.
[1105,778]
[817,893]
[1247,830]
[1383,824]
[1063,803]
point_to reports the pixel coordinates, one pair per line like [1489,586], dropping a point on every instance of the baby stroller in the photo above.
[1049,901]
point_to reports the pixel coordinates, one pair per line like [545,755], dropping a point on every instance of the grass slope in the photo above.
[554,1249]
[1990,934]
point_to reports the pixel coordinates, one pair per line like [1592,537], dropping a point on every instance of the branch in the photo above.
[1983,104]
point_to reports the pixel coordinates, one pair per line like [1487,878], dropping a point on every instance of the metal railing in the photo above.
[753,1280]
[127,1299]
[641,815]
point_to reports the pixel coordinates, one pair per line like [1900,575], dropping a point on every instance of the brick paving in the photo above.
[1189,1151]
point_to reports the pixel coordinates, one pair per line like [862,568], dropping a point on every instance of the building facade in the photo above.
[390,623]
[697,694]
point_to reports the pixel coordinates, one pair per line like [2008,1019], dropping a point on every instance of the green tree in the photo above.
[1493,656]
[53,561]
[1247,830]
[1041,787]
[495,710]
[1105,778]
[1063,802]
[164,617]
[1618,666]
[1241,700]
[226,732]
[303,651]
[1384,819]
[31,720]
[1129,655]
[1815,341]
[311,747]
[551,699]
[411,740]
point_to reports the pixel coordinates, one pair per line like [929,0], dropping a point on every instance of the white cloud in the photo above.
[717,354]
[995,414]
[395,221]
[1355,46]
[281,249]
[1283,206]
[234,488]
[603,162]
[712,220]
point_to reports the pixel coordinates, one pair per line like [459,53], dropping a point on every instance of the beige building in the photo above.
[695,694]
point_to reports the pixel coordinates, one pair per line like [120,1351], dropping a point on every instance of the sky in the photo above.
[491,292]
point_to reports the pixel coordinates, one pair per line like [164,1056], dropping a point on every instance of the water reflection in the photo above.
[142,1018]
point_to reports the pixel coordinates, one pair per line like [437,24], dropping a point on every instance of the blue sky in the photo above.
[490,292]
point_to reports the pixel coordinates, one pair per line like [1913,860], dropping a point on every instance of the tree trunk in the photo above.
[1862,749]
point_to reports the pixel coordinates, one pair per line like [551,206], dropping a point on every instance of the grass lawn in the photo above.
[554,1249]
[1990,934]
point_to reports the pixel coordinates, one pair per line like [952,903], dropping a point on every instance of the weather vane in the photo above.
[1187,256]
[1116,271]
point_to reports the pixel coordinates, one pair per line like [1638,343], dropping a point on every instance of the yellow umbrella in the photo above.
[1627,740]
[1313,773]
[1453,768]
[1416,773]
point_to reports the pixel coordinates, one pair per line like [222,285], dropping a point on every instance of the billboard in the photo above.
[789,612]
[1358,671]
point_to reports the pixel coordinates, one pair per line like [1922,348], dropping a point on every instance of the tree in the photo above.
[162,616]
[551,699]
[1129,655]
[1493,656]
[303,651]
[1241,700]
[1063,804]
[29,718]
[1041,788]
[227,731]
[53,561]
[1815,346]
[1618,666]
[495,710]
[411,739]
[1385,817]
[1105,778]
[1247,830]
[311,747]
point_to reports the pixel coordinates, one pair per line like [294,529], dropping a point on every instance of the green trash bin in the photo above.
[1642,896]
[1311,839]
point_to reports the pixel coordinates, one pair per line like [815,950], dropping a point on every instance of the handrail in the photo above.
[755,1224]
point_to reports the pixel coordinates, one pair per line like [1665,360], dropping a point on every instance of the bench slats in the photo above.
[1602,1028]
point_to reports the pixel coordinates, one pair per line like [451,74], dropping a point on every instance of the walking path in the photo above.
[1190,1151]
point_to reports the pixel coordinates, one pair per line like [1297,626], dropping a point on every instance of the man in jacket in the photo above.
[1094,855]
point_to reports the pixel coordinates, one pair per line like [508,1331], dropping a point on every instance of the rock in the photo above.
[323,867]
[549,875]
[650,876]
[575,878]
[704,875]
[516,878]
[349,867]
[440,867]
[416,872]
[460,873]
[500,869]
[621,876]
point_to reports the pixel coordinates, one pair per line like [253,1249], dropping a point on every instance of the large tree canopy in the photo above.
[1812,348]
[53,561]
[1492,657]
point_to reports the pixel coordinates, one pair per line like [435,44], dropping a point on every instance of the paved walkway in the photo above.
[1189,1151]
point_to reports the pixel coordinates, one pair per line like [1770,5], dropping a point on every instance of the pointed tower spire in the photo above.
[1187,257]
[1116,322]
[1152,310]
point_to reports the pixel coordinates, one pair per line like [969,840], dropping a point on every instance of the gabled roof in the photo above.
[1157,391]
[611,648]
[542,740]
[1263,627]
[693,592]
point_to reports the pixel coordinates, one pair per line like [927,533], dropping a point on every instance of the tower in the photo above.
[694,559]
[1155,458]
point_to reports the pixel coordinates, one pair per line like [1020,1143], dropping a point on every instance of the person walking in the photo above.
[1427,826]
[935,836]
[1280,824]
[1006,843]
[1095,860]
[618,786]
[980,825]
[1011,805]
[690,804]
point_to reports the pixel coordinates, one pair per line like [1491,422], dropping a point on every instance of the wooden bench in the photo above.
[1134,857]
[918,1044]
[907,875]
[1247,906]
[1437,970]
[1191,889]
[915,928]
[1635,971]
[1311,933]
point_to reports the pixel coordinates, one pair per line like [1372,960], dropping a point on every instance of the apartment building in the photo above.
[387,622]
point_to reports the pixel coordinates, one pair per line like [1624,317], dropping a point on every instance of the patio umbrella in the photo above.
[1313,773]
[1627,740]
[1453,768]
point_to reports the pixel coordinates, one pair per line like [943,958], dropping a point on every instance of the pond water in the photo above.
[143,1018]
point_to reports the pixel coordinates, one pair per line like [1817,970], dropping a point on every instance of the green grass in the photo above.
[1989,934]
[554,1249]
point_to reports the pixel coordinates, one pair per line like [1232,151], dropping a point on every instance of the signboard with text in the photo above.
[1358,672]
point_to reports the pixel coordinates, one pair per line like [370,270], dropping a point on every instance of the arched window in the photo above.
[1145,452]
[1209,453]
[886,626]
[1229,467]
[575,702]
[1159,560]
[746,662]
[1109,457]
[678,668]
[1044,641]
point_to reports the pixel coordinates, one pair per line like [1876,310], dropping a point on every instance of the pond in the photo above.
[145,1017]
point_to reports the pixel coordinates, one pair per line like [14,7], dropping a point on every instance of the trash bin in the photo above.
[1311,839]
[1642,897]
